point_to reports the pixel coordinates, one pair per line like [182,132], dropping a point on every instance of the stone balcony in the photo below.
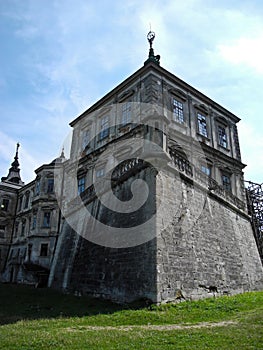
[193,173]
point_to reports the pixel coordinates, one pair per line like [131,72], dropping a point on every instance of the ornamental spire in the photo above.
[15,164]
[14,172]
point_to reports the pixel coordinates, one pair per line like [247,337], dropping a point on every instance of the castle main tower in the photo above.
[154,199]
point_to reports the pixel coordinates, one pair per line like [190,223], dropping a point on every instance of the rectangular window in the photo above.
[46,219]
[100,172]
[178,113]
[23,228]
[29,224]
[85,138]
[226,182]
[16,228]
[44,249]
[222,138]
[26,201]
[81,184]
[206,169]
[50,185]
[202,124]
[29,251]
[104,127]
[126,113]
[20,200]
[2,231]
[34,221]
[4,205]
[37,187]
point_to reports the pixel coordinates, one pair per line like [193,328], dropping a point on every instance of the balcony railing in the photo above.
[192,172]
[133,165]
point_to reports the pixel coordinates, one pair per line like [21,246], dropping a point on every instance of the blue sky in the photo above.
[58,57]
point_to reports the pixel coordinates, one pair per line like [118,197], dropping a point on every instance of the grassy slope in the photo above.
[44,319]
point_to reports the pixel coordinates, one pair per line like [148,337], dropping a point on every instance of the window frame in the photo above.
[20,202]
[16,228]
[220,138]
[202,125]
[100,172]
[29,250]
[81,184]
[85,140]
[26,200]
[227,185]
[206,169]
[126,113]
[23,227]
[46,219]
[5,204]
[178,110]
[2,231]
[37,187]
[34,221]
[104,127]
[50,185]
[41,250]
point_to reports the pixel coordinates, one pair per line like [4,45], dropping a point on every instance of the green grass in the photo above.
[45,319]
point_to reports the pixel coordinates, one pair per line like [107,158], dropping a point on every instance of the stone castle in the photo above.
[150,201]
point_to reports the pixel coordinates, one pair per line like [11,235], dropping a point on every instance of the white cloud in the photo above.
[248,51]
[251,147]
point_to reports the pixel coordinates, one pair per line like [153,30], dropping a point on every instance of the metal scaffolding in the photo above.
[255,207]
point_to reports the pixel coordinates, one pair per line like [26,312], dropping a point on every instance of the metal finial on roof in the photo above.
[17,146]
[150,38]
[152,57]
[62,155]
[15,163]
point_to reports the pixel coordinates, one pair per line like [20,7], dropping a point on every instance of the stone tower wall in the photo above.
[122,274]
[202,241]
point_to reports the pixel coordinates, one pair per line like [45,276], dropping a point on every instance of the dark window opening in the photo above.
[226,182]
[26,201]
[4,205]
[20,200]
[46,219]
[44,249]
[29,251]
[34,222]
[23,228]
[16,228]
[2,231]
[50,185]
